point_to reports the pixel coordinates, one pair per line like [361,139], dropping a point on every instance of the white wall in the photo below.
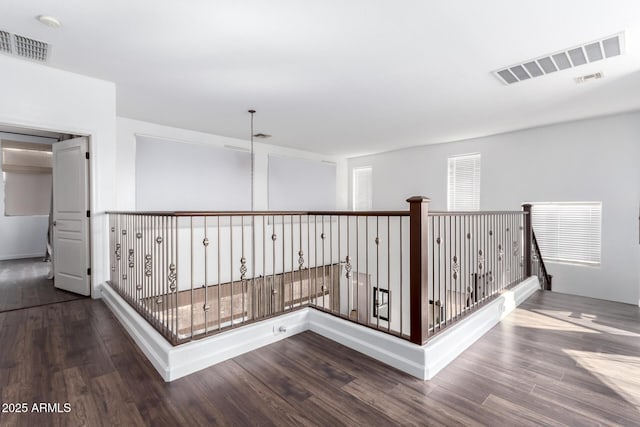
[41,97]
[173,176]
[21,236]
[128,130]
[301,184]
[590,160]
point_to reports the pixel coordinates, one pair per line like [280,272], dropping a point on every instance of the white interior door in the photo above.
[70,219]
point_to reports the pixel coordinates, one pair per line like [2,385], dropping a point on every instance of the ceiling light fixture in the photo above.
[49,21]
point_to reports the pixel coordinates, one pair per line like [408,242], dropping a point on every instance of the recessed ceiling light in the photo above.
[49,21]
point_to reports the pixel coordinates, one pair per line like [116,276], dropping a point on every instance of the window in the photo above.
[568,232]
[26,171]
[362,186]
[464,183]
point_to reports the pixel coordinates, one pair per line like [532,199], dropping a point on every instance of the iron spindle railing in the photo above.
[407,273]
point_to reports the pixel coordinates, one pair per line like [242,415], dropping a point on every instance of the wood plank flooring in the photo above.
[557,360]
[24,283]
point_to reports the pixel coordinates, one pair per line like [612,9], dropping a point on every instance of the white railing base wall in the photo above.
[424,362]
[446,346]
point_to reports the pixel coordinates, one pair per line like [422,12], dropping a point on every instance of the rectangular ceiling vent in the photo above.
[5,42]
[24,47]
[569,58]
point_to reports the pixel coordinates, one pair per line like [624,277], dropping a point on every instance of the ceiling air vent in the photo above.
[569,58]
[31,49]
[5,42]
[24,47]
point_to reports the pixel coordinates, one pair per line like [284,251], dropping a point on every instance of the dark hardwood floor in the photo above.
[557,360]
[24,283]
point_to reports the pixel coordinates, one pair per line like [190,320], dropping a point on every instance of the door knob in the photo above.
[55,223]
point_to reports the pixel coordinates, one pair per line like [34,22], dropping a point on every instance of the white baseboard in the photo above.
[152,344]
[173,362]
[389,349]
[22,256]
[423,362]
[196,355]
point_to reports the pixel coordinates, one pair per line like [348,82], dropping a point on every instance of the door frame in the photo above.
[88,133]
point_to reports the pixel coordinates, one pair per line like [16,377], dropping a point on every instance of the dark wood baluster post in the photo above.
[527,234]
[418,268]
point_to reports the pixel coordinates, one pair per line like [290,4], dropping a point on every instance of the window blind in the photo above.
[569,232]
[362,189]
[463,183]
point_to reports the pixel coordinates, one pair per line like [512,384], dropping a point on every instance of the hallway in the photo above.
[24,283]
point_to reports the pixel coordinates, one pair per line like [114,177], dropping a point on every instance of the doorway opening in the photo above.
[44,224]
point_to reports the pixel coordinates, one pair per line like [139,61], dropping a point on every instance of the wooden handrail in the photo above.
[259,213]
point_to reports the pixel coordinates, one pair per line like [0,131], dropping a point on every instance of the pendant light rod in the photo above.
[252,112]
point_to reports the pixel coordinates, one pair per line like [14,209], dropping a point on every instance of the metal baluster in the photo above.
[274,291]
[442,296]
[206,306]
[402,284]
[349,274]
[242,272]
[293,269]
[315,255]
[165,297]
[324,263]
[264,266]
[140,262]
[191,261]
[357,269]
[389,306]
[219,282]
[301,256]
[254,295]
[231,268]
[331,258]
[333,297]
[283,289]
[366,261]
[378,296]
[154,276]
[315,252]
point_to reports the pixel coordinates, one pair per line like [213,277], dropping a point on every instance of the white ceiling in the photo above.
[340,77]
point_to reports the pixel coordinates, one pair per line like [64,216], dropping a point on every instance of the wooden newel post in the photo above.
[528,239]
[418,268]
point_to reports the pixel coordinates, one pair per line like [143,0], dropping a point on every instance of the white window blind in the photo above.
[569,232]
[362,189]
[27,172]
[464,183]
